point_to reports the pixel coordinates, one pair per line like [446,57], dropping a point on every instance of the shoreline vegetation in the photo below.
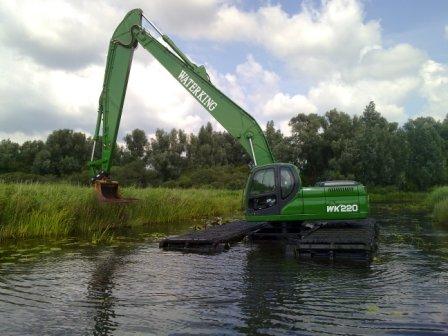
[34,210]
[335,145]
[62,210]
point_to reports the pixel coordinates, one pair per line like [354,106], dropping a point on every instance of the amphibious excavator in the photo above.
[274,192]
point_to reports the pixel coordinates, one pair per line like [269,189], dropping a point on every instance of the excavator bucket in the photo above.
[107,192]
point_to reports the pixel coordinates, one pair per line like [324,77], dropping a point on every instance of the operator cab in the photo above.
[271,187]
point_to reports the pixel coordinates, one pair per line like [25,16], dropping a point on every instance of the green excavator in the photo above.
[274,192]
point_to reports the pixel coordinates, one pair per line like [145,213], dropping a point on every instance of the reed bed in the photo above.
[59,210]
[438,200]
[393,195]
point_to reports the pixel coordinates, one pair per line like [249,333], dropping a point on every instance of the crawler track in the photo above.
[339,239]
[334,239]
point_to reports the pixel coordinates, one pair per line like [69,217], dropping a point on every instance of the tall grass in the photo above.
[44,210]
[438,200]
[437,195]
[393,195]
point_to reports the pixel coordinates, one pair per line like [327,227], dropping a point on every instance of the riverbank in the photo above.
[62,210]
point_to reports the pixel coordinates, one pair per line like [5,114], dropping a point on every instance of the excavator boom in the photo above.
[129,33]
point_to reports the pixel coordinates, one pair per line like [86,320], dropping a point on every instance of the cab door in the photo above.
[262,192]
[270,188]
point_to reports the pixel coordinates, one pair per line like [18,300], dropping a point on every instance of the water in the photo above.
[132,287]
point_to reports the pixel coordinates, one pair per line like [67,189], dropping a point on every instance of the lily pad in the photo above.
[372,309]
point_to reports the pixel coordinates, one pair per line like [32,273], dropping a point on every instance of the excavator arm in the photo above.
[193,78]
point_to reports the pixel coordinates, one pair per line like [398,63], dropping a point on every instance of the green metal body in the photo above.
[305,204]
[310,203]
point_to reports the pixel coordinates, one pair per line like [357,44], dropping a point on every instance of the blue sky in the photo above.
[420,23]
[275,58]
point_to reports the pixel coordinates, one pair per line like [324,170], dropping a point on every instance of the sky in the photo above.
[274,58]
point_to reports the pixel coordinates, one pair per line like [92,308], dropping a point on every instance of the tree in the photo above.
[339,145]
[137,143]
[280,145]
[42,163]
[210,148]
[167,154]
[427,162]
[207,148]
[28,153]
[308,143]
[379,154]
[9,156]
[69,151]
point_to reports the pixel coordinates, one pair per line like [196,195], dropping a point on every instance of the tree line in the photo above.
[366,148]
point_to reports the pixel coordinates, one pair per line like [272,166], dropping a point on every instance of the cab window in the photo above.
[263,182]
[286,181]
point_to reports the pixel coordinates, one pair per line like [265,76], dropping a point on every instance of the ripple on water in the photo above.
[133,287]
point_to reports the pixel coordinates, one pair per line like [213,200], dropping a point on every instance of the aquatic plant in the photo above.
[58,210]
[437,195]
[440,212]
[438,200]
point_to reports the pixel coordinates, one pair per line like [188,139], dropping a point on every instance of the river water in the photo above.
[131,287]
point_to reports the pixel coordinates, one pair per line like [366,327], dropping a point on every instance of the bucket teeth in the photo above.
[107,192]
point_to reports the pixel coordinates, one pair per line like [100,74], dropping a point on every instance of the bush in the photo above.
[135,174]
[81,178]
[219,177]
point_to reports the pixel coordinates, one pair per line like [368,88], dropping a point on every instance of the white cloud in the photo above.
[53,56]
[250,85]
[395,62]
[352,97]
[435,88]
[54,65]
[316,41]
[156,100]
[58,34]
[21,137]
[284,106]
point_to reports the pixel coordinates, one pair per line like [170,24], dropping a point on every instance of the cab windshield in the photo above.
[263,182]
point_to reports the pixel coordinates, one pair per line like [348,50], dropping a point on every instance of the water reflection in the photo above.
[100,290]
[284,295]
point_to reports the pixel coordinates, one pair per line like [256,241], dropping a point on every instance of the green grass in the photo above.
[437,195]
[438,200]
[393,195]
[60,210]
